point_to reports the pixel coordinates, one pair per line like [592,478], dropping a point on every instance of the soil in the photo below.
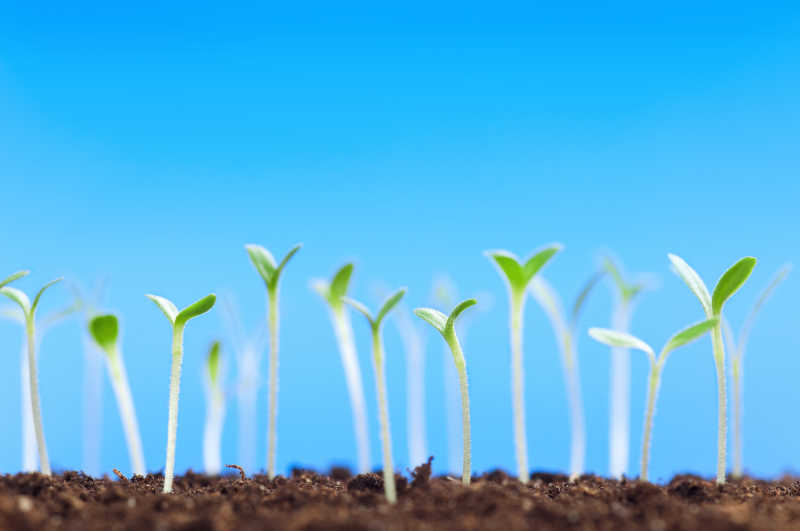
[310,501]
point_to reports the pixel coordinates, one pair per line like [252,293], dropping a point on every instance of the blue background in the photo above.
[147,144]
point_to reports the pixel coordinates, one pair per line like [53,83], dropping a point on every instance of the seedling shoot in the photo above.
[215,411]
[178,320]
[446,326]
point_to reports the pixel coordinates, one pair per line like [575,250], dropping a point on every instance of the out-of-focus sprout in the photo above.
[215,411]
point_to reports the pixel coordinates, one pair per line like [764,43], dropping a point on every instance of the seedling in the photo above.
[622,340]
[517,277]
[446,326]
[215,411]
[565,330]
[178,320]
[728,284]
[737,350]
[29,314]
[105,332]
[380,382]
[270,272]
[333,294]
[620,408]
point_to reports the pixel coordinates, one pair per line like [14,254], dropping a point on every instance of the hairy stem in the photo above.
[461,367]
[652,394]
[127,413]
[30,462]
[272,436]
[383,408]
[92,407]
[352,373]
[174,393]
[619,421]
[719,362]
[736,373]
[44,461]
[576,416]
[518,391]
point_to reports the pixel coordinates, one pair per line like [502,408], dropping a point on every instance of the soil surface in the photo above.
[307,500]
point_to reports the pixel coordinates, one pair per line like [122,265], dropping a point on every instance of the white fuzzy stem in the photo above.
[736,373]
[246,408]
[212,433]
[619,421]
[518,391]
[652,396]
[92,407]
[174,393]
[461,367]
[34,396]
[575,401]
[383,409]
[722,433]
[127,412]
[452,411]
[272,436]
[30,462]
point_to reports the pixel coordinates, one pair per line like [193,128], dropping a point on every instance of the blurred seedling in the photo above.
[215,410]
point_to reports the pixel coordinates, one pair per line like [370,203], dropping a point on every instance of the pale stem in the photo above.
[174,392]
[719,362]
[127,412]
[247,397]
[36,409]
[272,437]
[576,416]
[652,394]
[461,366]
[212,433]
[383,408]
[415,389]
[92,407]
[452,410]
[30,463]
[619,420]
[517,379]
[736,371]
[352,373]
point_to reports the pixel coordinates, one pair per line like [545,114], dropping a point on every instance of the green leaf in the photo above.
[582,296]
[338,286]
[39,294]
[166,306]
[265,263]
[626,291]
[731,281]
[436,318]
[612,338]
[693,280]
[198,308]
[687,335]
[19,297]
[390,303]
[518,276]
[762,298]
[288,256]
[105,331]
[456,312]
[13,277]
[360,307]
[539,259]
[214,363]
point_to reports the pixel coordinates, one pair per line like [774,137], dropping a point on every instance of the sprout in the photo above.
[15,276]
[105,332]
[445,326]
[727,285]
[29,314]
[380,383]
[215,411]
[517,277]
[178,320]
[564,330]
[627,341]
[620,407]
[333,293]
[737,350]
[270,272]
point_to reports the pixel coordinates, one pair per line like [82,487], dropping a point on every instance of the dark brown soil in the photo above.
[338,501]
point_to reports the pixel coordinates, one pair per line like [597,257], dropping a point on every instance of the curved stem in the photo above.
[619,421]
[736,372]
[722,433]
[272,437]
[652,394]
[44,461]
[518,392]
[576,416]
[127,412]
[461,367]
[174,393]
[383,408]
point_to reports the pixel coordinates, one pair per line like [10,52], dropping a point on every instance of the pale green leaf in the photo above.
[509,266]
[286,258]
[687,335]
[436,318]
[18,297]
[539,259]
[449,328]
[166,306]
[693,280]
[612,338]
[213,363]
[388,304]
[105,331]
[13,277]
[39,294]
[762,298]
[198,308]
[730,282]
[360,307]
[263,261]
[341,281]
[582,296]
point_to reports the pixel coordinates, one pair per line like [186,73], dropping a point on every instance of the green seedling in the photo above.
[619,412]
[215,411]
[178,320]
[627,341]
[446,326]
[728,284]
[104,329]
[380,383]
[29,314]
[333,293]
[270,272]
[564,329]
[737,350]
[517,277]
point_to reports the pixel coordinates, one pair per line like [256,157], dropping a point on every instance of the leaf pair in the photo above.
[441,322]
[386,307]
[266,265]
[626,290]
[518,275]
[728,284]
[105,331]
[179,318]
[21,298]
[335,291]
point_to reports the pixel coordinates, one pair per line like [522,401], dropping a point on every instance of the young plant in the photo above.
[728,284]
[215,411]
[620,406]
[178,320]
[737,350]
[446,326]
[105,332]
[548,299]
[29,315]
[380,383]
[517,277]
[620,339]
[270,272]
[333,293]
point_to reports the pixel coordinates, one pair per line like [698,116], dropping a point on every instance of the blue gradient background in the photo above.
[149,144]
